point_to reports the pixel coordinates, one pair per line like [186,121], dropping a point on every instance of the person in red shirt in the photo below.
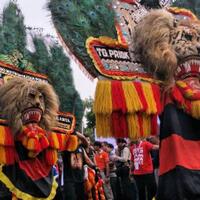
[101,159]
[142,168]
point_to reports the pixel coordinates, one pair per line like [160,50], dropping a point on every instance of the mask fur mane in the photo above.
[155,46]
[13,96]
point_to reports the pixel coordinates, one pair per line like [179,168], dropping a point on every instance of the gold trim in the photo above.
[22,195]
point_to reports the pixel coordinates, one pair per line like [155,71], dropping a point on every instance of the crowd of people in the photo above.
[127,171]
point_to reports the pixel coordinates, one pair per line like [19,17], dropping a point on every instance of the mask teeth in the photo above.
[191,66]
[187,67]
[30,115]
[178,70]
[194,62]
[26,116]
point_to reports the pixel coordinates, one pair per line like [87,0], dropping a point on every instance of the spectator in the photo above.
[155,155]
[104,145]
[89,148]
[143,168]
[122,158]
[74,171]
[113,175]
[102,162]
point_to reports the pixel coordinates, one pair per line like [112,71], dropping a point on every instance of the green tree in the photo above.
[1,38]
[55,64]
[78,111]
[40,58]
[13,29]
[61,74]
[90,117]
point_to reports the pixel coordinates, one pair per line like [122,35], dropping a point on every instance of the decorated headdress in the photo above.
[127,99]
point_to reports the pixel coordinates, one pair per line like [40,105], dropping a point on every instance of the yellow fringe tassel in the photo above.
[64,139]
[149,96]
[188,91]
[3,135]
[103,108]
[103,125]
[6,136]
[181,84]
[2,155]
[146,119]
[31,143]
[32,154]
[133,126]
[7,155]
[103,98]
[133,102]
[55,141]
[72,143]
[195,109]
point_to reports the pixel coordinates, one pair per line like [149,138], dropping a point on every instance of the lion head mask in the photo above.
[166,44]
[24,101]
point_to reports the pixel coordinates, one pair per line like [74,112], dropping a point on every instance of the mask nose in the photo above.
[37,104]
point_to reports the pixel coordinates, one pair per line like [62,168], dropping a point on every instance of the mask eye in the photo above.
[41,97]
[31,95]
[188,37]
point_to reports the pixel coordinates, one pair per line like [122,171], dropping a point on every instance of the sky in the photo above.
[36,15]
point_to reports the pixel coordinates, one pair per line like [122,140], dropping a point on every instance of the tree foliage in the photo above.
[55,64]
[90,116]
[13,30]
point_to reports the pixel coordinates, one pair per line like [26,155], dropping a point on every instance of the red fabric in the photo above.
[35,168]
[9,137]
[128,1]
[140,121]
[101,160]
[10,155]
[9,146]
[180,100]
[119,122]
[156,94]
[140,153]
[179,151]
[177,95]
[35,135]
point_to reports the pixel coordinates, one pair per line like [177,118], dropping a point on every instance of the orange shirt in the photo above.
[101,159]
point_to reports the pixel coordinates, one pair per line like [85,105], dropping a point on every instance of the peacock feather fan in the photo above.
[76,20]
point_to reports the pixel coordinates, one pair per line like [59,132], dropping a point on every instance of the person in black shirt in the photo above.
[74,171]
